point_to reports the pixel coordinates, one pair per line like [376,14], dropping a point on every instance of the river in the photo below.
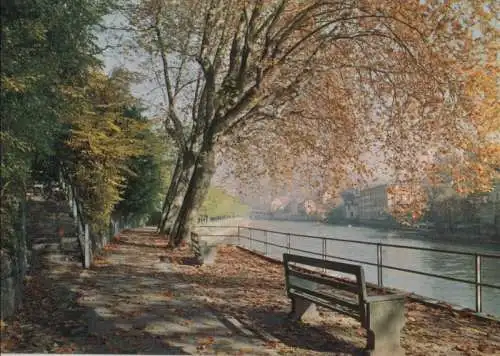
[458,266]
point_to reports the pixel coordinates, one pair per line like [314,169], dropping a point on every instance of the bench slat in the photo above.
[327,297]
[356,270]
[314,262]
[383,298]
[383,316]
[326,281]
[336,307]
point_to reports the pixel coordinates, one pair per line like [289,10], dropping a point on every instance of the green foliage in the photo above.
[220,203]
[102,142]
[144,184]
[337,214]
[47,47]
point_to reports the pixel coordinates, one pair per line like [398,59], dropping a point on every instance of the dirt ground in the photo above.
[252,289]
[140,298]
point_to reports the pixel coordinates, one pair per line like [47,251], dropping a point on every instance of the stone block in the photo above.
[385,319]
[208,254]
[8,297]
[303,309]
[7,266]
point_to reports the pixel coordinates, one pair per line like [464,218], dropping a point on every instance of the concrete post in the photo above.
[86,243]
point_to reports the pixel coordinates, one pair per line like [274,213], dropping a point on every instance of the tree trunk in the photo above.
[177,190]
[196,193]
[177,197]
[169,197]
[177,202]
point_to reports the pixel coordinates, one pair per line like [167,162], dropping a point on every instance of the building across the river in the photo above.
[379,202]
[373,203]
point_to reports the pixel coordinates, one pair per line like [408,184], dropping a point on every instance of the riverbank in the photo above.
[251,289]
[428,233]
[139,297]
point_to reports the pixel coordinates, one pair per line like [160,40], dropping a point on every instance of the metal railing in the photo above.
[89,244]
[379,249]
[218,220]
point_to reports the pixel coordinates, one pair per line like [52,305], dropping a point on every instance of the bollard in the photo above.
[86,243]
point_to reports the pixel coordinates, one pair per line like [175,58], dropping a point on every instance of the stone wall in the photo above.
[12,272]
[14,264]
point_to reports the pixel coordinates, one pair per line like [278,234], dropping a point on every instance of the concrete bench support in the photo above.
[385,319]
[381,315]
[303,309]
[203,252]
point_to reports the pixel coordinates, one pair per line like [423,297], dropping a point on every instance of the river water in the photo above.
[458,266]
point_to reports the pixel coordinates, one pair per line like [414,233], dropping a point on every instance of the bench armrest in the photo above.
[382,298]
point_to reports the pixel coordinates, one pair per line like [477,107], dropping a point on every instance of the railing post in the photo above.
[75,211]
[479,297]
[265,244]
[323,252]
[239,239]
[86,248]
[288,243]
[380,281]
[251,238]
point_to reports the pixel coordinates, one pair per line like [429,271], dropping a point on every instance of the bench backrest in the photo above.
[296,269]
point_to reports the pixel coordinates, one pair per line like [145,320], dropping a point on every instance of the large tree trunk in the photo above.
[177,190]
[196,193]
[169,197]
[176,204]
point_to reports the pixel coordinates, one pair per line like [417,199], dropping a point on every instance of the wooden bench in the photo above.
[382,315]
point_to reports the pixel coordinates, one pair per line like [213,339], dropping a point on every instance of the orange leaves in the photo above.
[100,261]
[168,295]
[110,247]
[160,243]
[65,349]
[204,343]
[273,344]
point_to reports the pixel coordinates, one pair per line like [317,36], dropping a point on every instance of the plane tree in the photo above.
[287,80]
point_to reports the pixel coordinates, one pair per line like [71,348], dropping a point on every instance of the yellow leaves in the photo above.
[12,84]
[102,142]
[100,261]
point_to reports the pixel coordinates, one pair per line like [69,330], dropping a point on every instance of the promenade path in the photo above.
[140,298]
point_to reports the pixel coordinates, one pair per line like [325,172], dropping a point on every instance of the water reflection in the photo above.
[452,265]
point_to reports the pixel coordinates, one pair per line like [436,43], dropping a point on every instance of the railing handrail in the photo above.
[457,252]
[477,282]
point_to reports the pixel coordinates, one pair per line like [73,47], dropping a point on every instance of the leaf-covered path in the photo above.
[130,301]
[140,298]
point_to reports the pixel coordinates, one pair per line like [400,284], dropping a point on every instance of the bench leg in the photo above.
[385,319]
[303,309]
